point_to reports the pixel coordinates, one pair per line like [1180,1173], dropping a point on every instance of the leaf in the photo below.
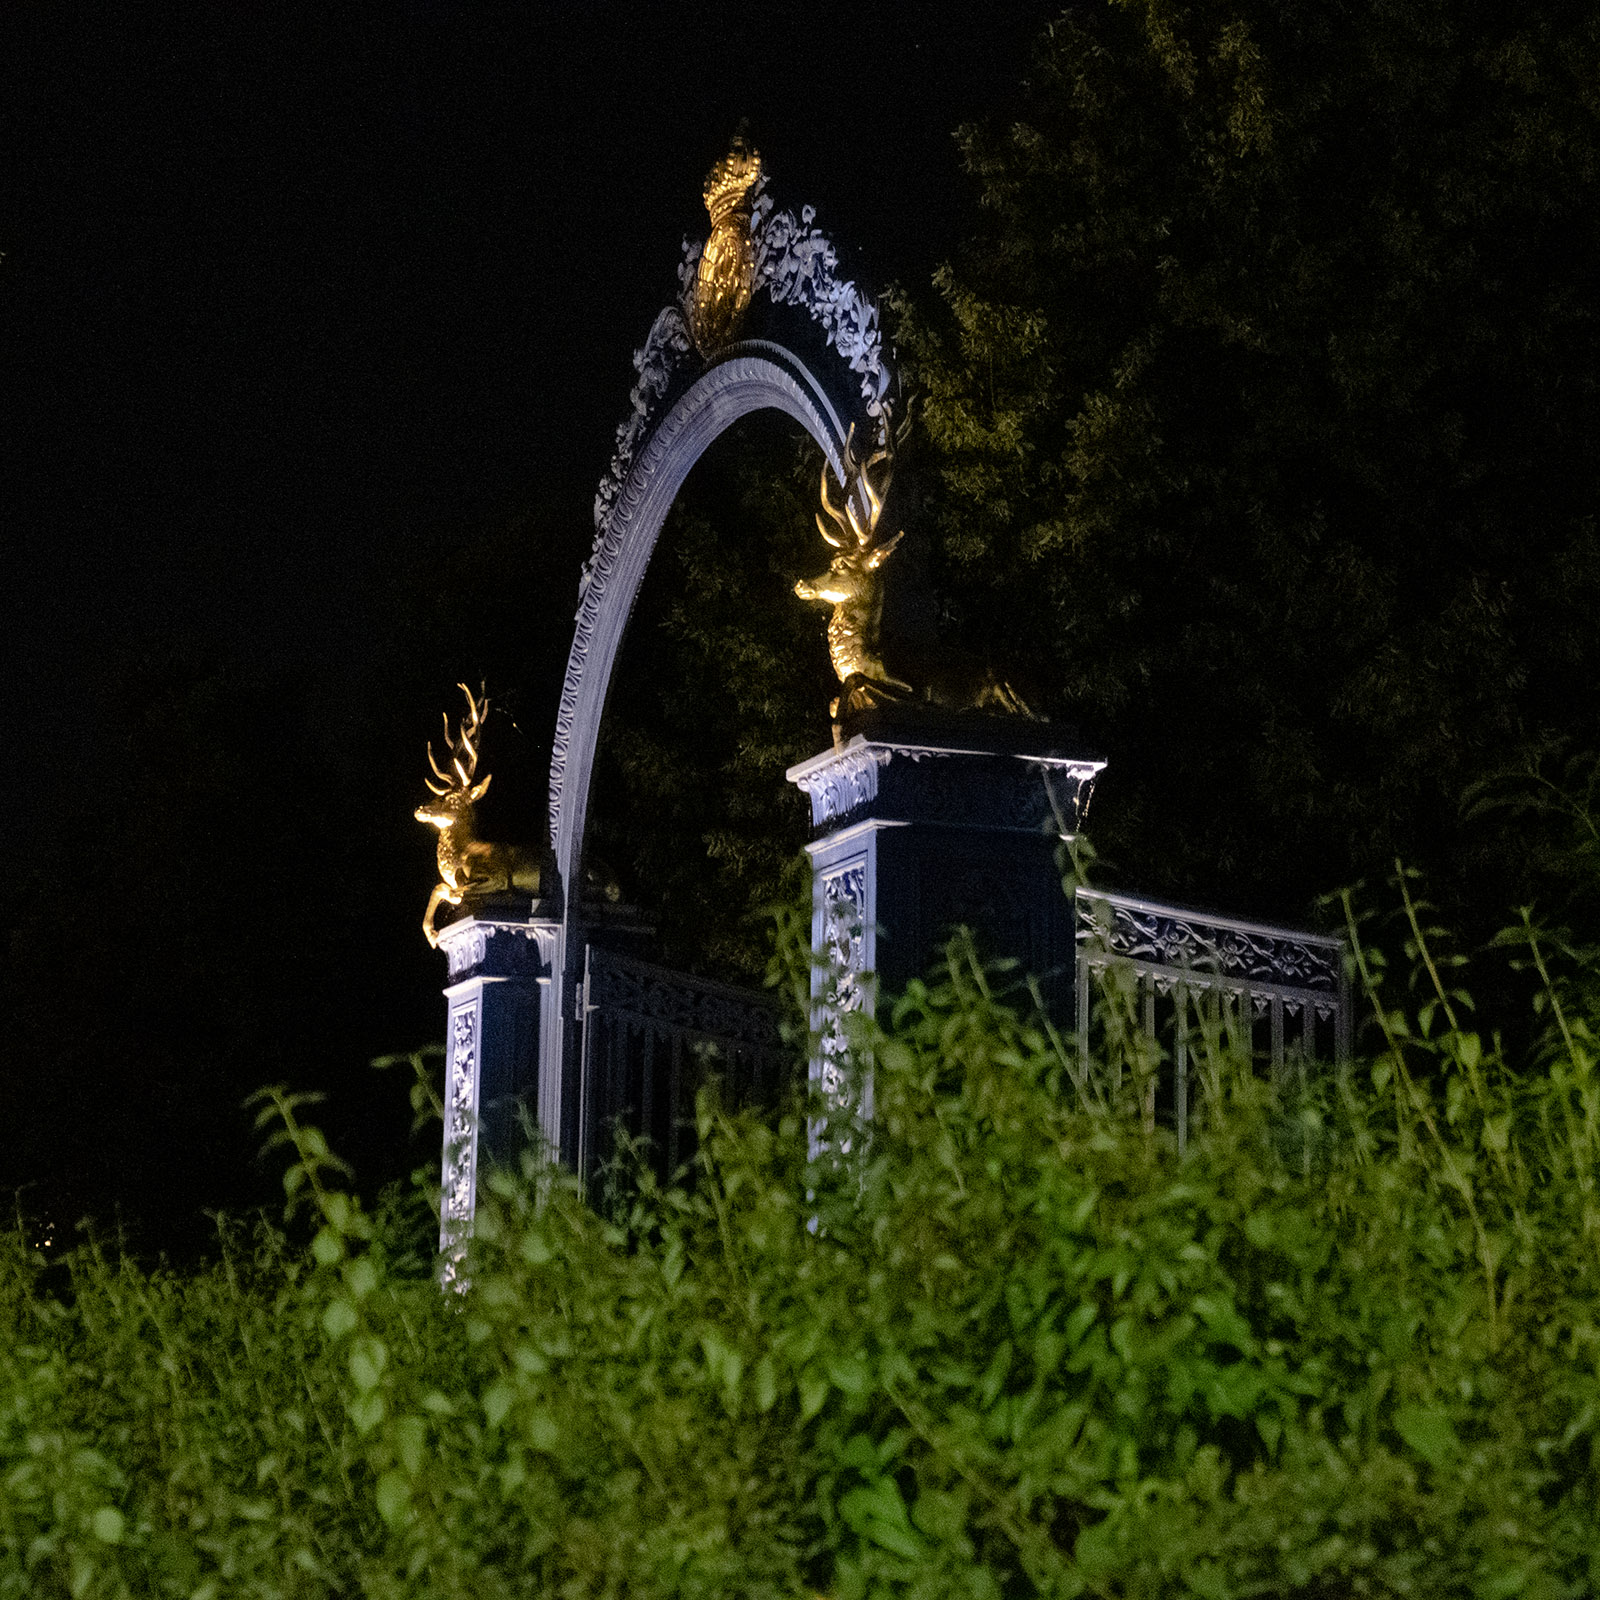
[850,1374]
[1078,1324]
[861,1452]
[1505,1583]
[1428,1430]
[108,1525]
[1223,1322]
[940,1514]
[1209,1581]
[339,1318]
[368,1358]
[1270,1426]
[497,1401]
[410,1436]
[530,1360]
[766,1378]
[813,1386]
[544,1432]
[394,1498]
[877,1512]
[361,1277]
[366,1411]
[1122,1339]
[995,1377]
[724,1365]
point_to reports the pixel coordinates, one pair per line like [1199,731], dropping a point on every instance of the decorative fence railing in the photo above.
[1184,975]
[649,1037]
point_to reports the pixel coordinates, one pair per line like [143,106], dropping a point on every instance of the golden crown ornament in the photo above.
[726,274]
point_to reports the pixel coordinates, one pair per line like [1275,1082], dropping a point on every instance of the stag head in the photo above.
[852,585]
[455,790]
[854,533]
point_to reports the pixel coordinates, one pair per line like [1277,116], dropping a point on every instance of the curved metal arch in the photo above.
[800,303]
[755,375]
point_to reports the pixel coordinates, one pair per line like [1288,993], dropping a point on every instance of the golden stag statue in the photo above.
[853,586]
[468,864]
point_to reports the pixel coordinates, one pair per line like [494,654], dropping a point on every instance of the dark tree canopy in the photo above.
[1264,412]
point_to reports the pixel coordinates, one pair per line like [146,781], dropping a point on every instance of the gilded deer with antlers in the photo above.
[468,864]
[853,586]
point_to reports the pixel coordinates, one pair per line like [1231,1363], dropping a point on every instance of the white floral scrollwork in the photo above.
[796,263]
[834,1075]
[656,363]
[466,950]
[1167,937]
[847,782]
[459,1177]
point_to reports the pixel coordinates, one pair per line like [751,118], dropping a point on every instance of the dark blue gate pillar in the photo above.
[499,1001]
[922,825]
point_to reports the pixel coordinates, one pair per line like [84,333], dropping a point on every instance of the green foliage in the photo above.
[1262,408]
[1013,1343]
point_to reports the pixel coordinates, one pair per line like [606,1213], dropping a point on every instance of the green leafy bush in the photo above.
[1014,1343]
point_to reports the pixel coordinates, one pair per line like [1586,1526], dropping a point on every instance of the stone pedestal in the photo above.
[499,998]
[920,825]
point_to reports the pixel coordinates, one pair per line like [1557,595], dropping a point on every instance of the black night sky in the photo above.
[293,304]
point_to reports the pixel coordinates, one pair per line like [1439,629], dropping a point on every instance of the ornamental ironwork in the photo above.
[795,263]
[840,982]
[1282,994]
[1167,936]
[649,1035]
[459,1174]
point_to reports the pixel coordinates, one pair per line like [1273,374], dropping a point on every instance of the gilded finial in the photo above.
[726,275]
[731,179]
[468,865]
[853,586]
[853,583]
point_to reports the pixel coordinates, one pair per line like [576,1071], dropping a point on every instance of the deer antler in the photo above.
[902,432]
[862,482]
[875,490]
[443,786]
[460,745]
[468,727]
[876,493]
[833,511]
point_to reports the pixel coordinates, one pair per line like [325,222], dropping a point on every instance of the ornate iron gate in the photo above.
[1281,993]
[649,1036]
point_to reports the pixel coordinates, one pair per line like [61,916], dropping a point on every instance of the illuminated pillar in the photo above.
[499,990]
[920,825]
